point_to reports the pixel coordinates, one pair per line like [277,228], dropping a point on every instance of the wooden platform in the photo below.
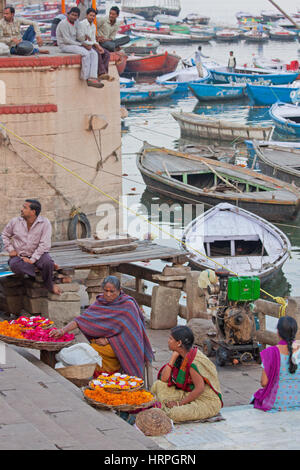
[69,255]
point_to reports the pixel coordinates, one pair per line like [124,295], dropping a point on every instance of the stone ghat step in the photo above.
[40,409]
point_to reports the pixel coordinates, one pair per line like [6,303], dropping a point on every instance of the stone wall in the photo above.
[63,131]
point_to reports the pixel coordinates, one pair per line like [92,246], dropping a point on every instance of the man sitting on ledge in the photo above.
[107,28]
[70,39]
[28,241]
[10,32]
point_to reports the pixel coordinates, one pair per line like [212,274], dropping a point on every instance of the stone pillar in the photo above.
[94,280]
[164,307]
[195,297]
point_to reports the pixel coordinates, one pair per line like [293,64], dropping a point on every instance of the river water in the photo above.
[154,123]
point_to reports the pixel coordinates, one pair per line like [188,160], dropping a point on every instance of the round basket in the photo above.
[41,345]
[78,375]
[105,406]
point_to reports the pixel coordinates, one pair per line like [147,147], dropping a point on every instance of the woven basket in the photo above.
[41,345]
[105,406]
[84,371]
[153,422]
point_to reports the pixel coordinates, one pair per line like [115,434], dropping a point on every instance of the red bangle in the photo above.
[170,365]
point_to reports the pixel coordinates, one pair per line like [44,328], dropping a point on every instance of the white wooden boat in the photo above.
[255,36]
[202,126]
[239,240]
[227,35]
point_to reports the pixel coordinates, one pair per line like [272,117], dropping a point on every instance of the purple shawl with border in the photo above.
[121,322]
[264,398]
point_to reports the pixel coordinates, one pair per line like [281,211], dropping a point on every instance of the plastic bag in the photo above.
[78,354]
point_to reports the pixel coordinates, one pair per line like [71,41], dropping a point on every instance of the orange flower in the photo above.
[115,399]
[11,330]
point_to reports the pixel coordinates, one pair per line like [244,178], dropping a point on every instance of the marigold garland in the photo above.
[124,398]
[11,330]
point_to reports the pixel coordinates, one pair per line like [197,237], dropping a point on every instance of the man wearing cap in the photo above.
[10,32]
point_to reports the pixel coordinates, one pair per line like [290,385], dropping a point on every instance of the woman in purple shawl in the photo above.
[115,327]
[280,377]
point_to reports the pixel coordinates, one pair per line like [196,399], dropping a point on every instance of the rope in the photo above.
[75,210]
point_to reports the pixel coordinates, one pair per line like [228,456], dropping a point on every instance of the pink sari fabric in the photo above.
[264,398]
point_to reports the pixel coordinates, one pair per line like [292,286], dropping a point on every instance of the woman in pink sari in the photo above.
[280,377]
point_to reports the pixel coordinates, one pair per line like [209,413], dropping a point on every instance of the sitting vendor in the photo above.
[28,241]
[114,325]
[188,387]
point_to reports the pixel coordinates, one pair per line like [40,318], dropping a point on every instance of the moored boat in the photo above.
[278,162]
[141,46]
[152,64]
[195,18]
[201,126]
[145,92]
[252,75]
[242,242]
[213,92]
[266,95]
[286,118]
[282,34]
[255,36]
[176,38]
[194,179]
[183,77]
[227,35]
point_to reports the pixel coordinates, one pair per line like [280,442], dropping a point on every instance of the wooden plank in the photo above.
[112,249]
[91,243]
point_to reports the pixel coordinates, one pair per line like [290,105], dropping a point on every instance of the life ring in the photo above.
[79,218]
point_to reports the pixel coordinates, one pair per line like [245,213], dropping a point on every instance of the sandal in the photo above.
[94,82]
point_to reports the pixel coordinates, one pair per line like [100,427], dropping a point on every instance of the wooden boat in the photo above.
[282,34]
[227,35]
[183,78]
[194,179]
[202,126]
[267,95]
[252,75]
[126,82]
[151,29]
[145,92]
[212,92]
[179,38]
[254,36]
[286,118]
[141,46]
[180,28]
[279,162]
[153,64]
[271,15]
[239,240]
[166,19]
[194,18]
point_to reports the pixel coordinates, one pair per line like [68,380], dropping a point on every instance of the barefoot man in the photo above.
[27,239]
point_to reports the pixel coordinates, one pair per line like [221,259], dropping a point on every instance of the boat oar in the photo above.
[221,177]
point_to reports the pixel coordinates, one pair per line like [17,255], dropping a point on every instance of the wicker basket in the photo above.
[78,375]
[41,345]
[153,422]
[105,406]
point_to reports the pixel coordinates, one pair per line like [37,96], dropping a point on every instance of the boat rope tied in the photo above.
[283,304]
[75,211]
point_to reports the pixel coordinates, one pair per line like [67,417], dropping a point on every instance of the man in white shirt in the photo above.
[70,40]
[198,61]
[88,29]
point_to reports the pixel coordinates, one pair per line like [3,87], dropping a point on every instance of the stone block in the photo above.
[165,307]
[201,327]
[195,298]
[69,287]
[37,292]
[62,313]
[64,297]
[14,303]
[93,282]
[176,271]
[17,290]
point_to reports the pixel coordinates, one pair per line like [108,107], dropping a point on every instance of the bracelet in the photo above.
[170,365]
